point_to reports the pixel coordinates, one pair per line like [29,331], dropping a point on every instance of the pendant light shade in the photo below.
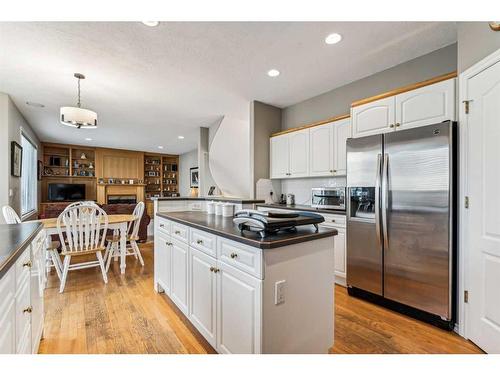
[78,117]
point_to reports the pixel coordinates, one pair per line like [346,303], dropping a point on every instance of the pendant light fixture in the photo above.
[78,117]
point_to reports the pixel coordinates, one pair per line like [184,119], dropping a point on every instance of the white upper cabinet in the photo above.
[373,118]
[426,106]
[321,140]
[299,153]
[341,131]
[279,156]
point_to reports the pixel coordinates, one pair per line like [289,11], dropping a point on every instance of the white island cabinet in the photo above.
[244,293]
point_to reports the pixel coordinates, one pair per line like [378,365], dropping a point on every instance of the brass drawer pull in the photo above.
[216,270]
[199,242]
[28,309]
[177,232]
[162,225]
[233,255]
[398,124]
[168,243]
[28,264]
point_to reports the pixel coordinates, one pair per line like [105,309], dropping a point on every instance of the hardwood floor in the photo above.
[127,316]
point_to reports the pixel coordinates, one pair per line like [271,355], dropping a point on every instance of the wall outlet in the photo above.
[279,292]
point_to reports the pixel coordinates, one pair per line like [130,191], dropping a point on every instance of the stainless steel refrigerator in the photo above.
[400,220]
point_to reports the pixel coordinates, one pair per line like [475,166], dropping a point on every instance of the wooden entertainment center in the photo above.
[109,173]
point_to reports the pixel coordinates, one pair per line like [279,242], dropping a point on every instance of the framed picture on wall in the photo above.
[16,159]
[194,177]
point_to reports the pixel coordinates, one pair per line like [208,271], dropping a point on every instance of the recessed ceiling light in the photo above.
[88,139]
[333,38]
[151,23]
[33,104]
[180,137]
[273,73]
[160,147]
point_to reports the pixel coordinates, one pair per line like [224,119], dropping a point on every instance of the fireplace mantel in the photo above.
[103,190]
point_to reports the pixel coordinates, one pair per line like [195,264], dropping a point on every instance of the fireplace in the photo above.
[122,199]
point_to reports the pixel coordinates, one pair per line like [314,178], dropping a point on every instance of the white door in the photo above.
[279,156]
[341,131]
[340,248]
[426,106]
[373,118]
[238,311]
[179,287]
[203,291]
[163,261]
[483,245]
[298,149]
[321,148]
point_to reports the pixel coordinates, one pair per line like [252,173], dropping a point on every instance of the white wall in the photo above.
[4,153]
[186,161]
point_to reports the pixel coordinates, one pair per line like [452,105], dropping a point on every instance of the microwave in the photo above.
[328,197]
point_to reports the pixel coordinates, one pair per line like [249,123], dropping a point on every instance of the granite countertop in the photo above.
[217,199]
[300,207]
[224,227]
[14,238]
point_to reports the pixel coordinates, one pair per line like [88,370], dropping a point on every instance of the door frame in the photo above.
[463,220]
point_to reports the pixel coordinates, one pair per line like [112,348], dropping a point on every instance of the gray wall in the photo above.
[338,101]
[475,41]
[186,161]
[4,153]
[265,120]
[206,179]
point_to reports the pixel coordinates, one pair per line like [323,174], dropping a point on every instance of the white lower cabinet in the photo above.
[340,255]
[203,294]
[179,286]
[7,313]
[163,260]
[238,311]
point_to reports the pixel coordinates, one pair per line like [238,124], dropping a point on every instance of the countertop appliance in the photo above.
[271,222]
[328,197]
[401,221]
[290,199]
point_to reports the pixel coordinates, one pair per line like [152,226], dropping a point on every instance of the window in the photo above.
[28,177]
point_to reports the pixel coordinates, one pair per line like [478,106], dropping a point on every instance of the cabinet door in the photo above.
[279,156]
[23,318]
[373,118]
[36,289]
[238,311]
[426,106]
[341,131]
[340,253]
[179,286]
[298,149]
[321,150]
[163,262]
[202,294]
[8,313]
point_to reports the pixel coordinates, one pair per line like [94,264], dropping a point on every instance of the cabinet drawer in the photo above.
[23,265]
[179,232]
[245,258]
[163,225]
[334,220]
[203,241]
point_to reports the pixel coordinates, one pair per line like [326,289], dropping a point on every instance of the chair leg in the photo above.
[67,259]
[110,256]
[116,252]
[103,269]
[106,253]
[137,251]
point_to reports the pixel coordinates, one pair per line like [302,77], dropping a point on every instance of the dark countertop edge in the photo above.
[248,241]
[220,199]
[9,262]
[302,208]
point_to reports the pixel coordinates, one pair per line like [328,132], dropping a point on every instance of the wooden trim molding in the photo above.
[403,89]
[322,122]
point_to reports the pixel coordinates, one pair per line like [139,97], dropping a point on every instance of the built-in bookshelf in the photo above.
[161,175]
[67,161]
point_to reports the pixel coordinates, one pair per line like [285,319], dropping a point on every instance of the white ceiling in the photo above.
[149,85]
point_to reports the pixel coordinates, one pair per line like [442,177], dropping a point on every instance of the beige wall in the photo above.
[186,161]
[476,40]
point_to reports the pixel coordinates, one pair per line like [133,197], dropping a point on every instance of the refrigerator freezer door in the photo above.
[417,255]
[364,245]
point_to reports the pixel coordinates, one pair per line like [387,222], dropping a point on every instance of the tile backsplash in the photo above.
[301,187]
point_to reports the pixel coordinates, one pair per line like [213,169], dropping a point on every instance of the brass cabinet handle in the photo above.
[391,126]
[398,124]
[199,242]
[28,310]
[28,264]
[333,220]
[168,243]
[216,270]
[331,170]
[177,232]
[233,255]
[212,269]
[162,225]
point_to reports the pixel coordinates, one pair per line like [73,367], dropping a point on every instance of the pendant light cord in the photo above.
[79,105]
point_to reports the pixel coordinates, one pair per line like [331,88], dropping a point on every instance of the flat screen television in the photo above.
[66,192]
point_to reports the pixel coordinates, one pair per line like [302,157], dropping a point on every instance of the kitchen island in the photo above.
[244,293]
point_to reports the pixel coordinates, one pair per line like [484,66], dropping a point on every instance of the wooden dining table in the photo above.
[118,222]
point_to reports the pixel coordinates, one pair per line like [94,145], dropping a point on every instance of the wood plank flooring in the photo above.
[127,316]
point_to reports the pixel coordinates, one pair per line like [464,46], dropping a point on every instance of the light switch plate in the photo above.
[279,292]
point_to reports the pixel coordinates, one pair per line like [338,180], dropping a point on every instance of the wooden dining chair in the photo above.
[113,247]
[84,227]
[10,215]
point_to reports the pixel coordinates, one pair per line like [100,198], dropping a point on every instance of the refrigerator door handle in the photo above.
[385,199]
[377,199]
